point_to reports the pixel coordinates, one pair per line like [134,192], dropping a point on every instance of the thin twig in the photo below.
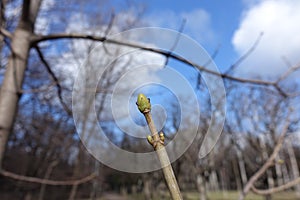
[181,28]
[211,58]
[43,88]
[246,55]
[6,33]
[110,25]
[289,71]
[46,181]
[58,86]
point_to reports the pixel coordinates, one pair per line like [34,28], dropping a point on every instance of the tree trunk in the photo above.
[286,176]
[270,179]
[95,187]
[14,75]
[279,173]
[201,187]
[78,169]
[242,168]
[47,175]
[73,192]
[237,175]
[147,187]
[294,165]
[213,181]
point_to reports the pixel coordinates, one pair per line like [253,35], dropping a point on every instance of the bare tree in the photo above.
[23,38]
[14,75]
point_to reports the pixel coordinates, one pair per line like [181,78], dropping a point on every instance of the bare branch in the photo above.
[281,92]
[289,71]
[213,55]
[40,38]
[46,181]
[43,88]
[266,165]
[59,88]
[293,94]
[6,33]
[243,57]
[176,41]
[157,141]
[111,22]
[29,13]
[181,28]
[276,189]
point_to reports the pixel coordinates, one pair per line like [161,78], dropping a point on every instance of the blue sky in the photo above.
[224,20]
[234,27]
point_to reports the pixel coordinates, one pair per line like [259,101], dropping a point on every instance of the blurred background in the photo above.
[254,43]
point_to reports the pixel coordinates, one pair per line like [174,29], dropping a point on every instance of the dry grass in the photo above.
[230,195]
[226,195]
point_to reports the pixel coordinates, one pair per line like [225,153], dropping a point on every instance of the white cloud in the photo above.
[279,21]
[81,48]
[124,58]
[198,23]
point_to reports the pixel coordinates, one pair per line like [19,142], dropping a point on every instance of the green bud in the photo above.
[143,103]
[150,139]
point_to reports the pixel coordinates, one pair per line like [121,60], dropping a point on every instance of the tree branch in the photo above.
[176,41]
[276,189]
[243,57]
[56,81]
[266,165]
[40,38]
[46,181]
[157,141]
[29,13]
[288,72]
[43,88]
[6,33]
[110,25]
